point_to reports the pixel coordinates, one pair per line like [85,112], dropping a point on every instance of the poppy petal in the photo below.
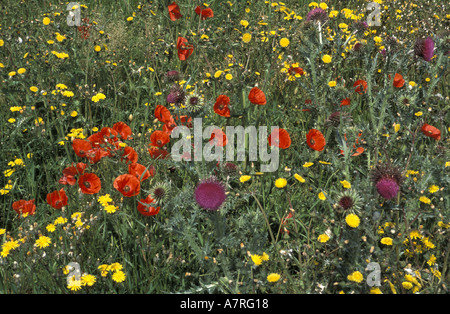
[89,183]
[221,106]
[315,140]
[57,199]
[398,80]
[127,184]
[431,131]
[204,12]
[145,208]
[279,138]
[174,11]
[159,138]
[257,96]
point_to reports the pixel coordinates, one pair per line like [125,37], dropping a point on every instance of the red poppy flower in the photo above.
[129,155]
[81,147]
[89,183]
[95,154]
[69,173]
[431,131]
[159,138]
[361,86]
[57,199]
[24,207]
[169,126]
[104,143]
[105,135]
[123,130]
[156,152]
[295,70]
[162,114]
[127,184]
[145,208]
[184,50]
[398,80]
[221,106]
[257,96]
[186,121]
[95,139]
[75,170]
[359,151]
[345,102]
[140,171]
[221,139]
[315,140]
[280,138]
[204,12]
[71,180]
[174,11]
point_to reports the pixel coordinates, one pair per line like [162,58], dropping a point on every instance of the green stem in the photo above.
[265,217]
[314,77]
[369,91]
[219,225]
[245,118]
[382,113]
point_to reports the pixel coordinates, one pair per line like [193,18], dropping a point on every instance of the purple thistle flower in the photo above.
[387,188]
[387,180]
[210,194]
[173,76]
[357,47]
[317,14]
[360,26]
[172,98]
[424,48]
[428,49]
[176,95]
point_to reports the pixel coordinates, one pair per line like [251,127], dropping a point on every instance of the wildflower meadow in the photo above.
[224,147]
